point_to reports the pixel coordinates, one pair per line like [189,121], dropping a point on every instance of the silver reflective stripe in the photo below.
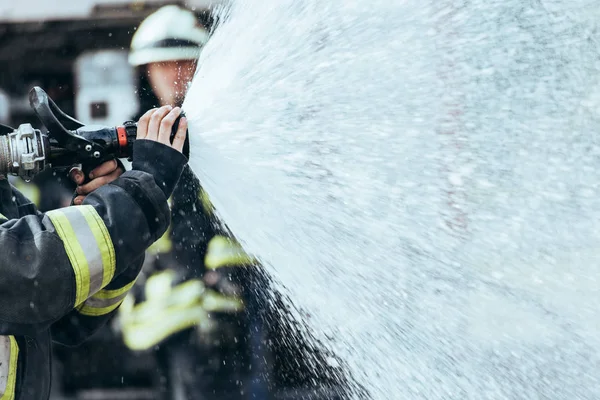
[4,363]
[90,248]
[9,356]
[96,302]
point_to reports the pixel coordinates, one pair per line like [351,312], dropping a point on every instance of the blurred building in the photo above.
[76,51]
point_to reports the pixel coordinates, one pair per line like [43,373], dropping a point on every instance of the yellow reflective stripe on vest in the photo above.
[104,242]
[29,190]
[93,260]
[207,205]
[166,311]
[143,329]
[105,301]
[164,243]
[158,286]
[149,333]
[213,301]
[170,309]
[222,252]
[9,356]
[3,217]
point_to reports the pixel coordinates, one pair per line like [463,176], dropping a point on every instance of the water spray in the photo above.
[421,177]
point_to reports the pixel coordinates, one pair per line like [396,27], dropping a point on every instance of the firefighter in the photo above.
[178,292]
[65,272]
[205,305]
[166,46]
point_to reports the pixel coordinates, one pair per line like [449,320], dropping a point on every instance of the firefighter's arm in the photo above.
[91,315]
[52,263]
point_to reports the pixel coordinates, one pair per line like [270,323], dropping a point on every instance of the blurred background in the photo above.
[77,51]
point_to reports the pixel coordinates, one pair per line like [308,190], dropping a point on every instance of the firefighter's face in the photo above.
[170,80]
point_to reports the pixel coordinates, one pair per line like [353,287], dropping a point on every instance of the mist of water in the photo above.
[421,177]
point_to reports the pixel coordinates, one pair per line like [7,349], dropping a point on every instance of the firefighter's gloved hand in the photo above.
[153,151]
[101,175]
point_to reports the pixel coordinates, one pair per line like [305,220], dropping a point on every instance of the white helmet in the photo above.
[169,34]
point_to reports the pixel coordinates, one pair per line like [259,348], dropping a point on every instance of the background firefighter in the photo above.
[213,317]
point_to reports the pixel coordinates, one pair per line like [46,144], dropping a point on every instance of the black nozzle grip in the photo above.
[130,128]
[186,145]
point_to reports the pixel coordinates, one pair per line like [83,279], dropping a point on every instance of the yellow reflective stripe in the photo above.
[181,296]
[3,217]
[168,312]
[103,241]
[75,254]
[29,190]
[105,301]
[159,284]
[114,293]
[207,205]
[216,302]
[90,311]
[150,332]
[9,357]
[93,261]
[164,243]
[223,251]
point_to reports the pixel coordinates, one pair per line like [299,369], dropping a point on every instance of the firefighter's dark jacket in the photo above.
[64,273]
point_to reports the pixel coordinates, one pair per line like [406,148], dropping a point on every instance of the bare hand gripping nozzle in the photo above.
[26,151]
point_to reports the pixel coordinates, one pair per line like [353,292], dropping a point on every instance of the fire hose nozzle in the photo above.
[26,151]
[23,152]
